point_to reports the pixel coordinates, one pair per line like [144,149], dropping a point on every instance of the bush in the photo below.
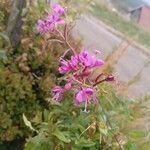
[23,88]
[26,76]
[16,97]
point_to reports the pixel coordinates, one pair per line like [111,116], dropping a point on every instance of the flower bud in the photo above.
[68,86]
[110,78]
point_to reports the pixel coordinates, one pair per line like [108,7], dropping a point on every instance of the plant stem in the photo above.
[66,40]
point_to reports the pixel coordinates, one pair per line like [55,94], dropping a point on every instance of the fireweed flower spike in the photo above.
[78,69]
[52,20]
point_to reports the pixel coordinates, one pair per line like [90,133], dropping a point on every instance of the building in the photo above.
[135,10]
[144,18]
[126,6]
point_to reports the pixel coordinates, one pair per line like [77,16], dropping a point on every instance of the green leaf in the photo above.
[84,143]
[46,115]
[130,146]
[61,136]
[3,55]
[39,143]
[103,131]
[6,38]
[28,123]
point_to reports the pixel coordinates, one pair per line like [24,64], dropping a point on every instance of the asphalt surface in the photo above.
[134,63]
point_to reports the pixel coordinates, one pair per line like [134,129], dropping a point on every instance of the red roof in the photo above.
[144,19]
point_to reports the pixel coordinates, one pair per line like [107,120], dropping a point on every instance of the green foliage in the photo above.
[27,75]
[67,127]
[1,16]
[4,11]
[138,134]
[16,97]
[130,146]
[24,87]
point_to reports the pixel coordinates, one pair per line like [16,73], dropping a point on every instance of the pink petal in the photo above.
[58,9]
[99,62]
[60,21]
[57,89]
[88,91]
[79,97]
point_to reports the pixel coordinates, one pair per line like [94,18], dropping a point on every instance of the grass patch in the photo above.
[117,22]
[145,146]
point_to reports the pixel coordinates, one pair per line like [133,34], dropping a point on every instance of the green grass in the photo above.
[145,146]
[128,28]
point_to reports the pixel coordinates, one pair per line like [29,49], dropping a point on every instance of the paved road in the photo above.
[94,35]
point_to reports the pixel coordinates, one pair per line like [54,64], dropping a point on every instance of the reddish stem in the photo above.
[99,82]
[98,77]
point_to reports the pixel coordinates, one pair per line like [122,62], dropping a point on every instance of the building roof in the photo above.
[128,5]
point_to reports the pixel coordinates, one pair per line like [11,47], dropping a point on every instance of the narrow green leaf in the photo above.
[84,143]
[61,136]
[6,38]
[3,55]
[28,123]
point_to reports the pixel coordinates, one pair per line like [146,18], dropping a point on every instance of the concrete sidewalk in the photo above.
[135,61]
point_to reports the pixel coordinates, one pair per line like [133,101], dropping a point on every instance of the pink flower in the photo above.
[74,62]
[58,9]
[85,59]
[89,61]
[54,20]
[85,96]
[58,93]
[68,65]
[83,56]
[42,26]
[65,67]
[51,21]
